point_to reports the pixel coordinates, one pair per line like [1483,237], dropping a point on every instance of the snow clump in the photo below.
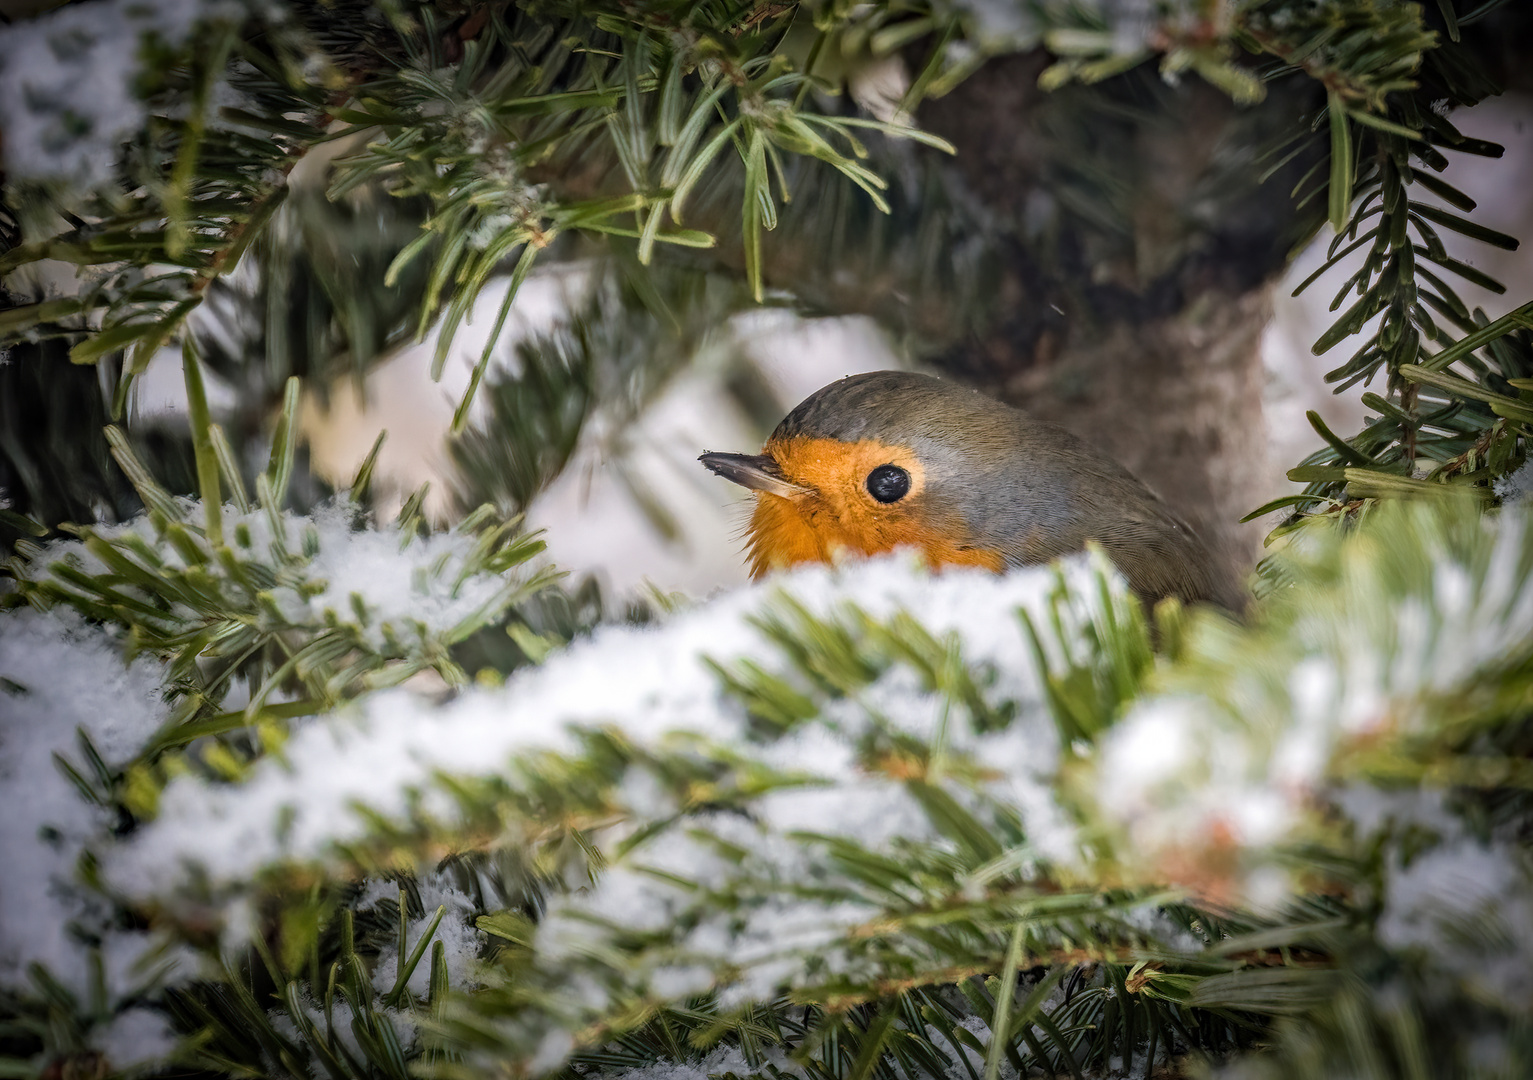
[67,82]
[61,679]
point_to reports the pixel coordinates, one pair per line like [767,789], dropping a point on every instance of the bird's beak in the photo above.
[759,473]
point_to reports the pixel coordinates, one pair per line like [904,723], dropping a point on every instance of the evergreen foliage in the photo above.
[399,804]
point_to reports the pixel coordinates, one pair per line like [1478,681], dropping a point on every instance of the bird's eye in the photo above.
[888,483]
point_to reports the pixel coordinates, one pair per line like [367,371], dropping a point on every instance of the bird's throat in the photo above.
[792,532]
[782,534]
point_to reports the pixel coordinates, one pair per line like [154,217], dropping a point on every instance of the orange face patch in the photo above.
[839,515]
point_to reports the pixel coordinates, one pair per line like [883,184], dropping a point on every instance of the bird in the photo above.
[891,459]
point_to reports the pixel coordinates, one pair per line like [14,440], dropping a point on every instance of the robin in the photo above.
[893,459]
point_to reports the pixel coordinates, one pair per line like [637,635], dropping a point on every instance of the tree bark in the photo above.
[1135,253]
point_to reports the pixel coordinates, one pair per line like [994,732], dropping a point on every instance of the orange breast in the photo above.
[840,516]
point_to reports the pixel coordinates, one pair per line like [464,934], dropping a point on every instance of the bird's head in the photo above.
[868,464]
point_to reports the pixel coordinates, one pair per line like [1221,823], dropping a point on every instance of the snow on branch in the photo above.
[68,82]
[320,605]
[852,784]
[307,610]
[648,687]
[734,771]
[67,702]
[1238,751]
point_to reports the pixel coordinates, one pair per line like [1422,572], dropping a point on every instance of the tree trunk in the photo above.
[1135,254]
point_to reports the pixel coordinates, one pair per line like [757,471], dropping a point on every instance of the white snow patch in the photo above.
[408,590]
[135,1037]
[1243,760]
[1468,908]
[67,82]
[456,932]
[340,1027]
[647,682]
[724,1059]
[1515,488]
[408,587]
[61,677]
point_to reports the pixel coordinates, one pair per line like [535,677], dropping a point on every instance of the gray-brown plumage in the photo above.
[1023,487]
